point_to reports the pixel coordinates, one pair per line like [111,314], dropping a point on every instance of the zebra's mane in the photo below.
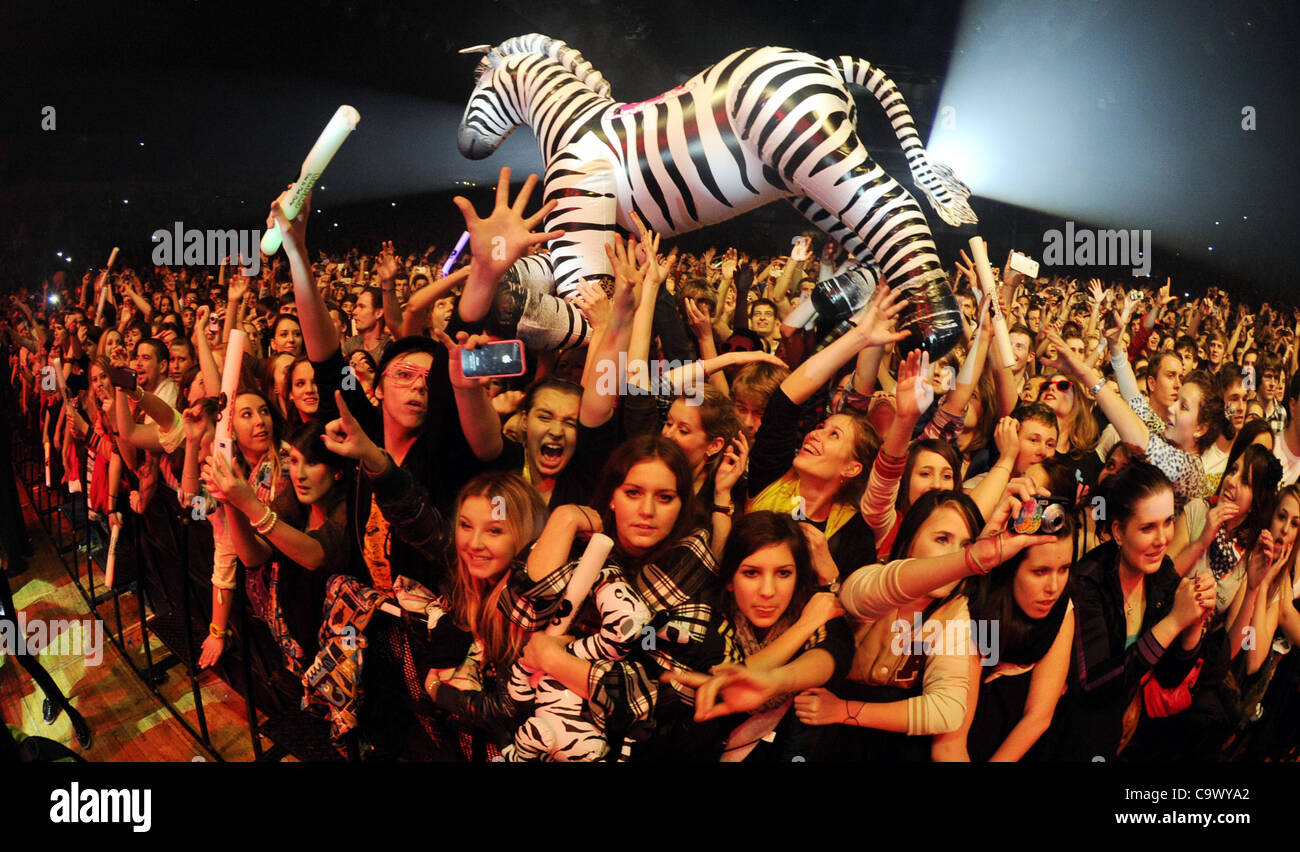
[570,59]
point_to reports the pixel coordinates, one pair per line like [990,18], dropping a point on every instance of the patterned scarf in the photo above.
[751,645]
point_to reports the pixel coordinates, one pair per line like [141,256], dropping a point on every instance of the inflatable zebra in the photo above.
[562,727]
[762,124]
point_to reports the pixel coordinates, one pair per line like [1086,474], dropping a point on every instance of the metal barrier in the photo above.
[172,618]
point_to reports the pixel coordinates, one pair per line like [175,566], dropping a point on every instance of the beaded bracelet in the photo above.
[268,524]
[258,523]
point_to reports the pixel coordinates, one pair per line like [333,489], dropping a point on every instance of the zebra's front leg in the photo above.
[580,177]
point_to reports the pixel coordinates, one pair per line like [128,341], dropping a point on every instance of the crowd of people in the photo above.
[1080,545]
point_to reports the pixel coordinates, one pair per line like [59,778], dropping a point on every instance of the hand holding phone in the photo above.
[493,360]
[122,377]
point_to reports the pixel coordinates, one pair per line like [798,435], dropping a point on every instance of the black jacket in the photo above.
[1103,673]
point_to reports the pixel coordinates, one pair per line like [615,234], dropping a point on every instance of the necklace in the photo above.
[1132,599]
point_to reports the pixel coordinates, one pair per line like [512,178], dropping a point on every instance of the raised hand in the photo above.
[223,483]
[699,321]
[1225,512]
[505,235]
[729,263]
[801,250]
[1066,361]
[466,342]
[1007,437]
[346,437]
[819,548]
[876,320]
[967,269]
[628,276]
[647,251]
[293,235]
[1263,557]
[196,423]
[914,393]
[387,265]
[594,304]
[735,459]
[1163,297]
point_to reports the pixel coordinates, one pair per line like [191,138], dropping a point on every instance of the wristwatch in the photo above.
[726,510]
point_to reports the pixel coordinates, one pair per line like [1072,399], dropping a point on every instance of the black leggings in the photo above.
[9,621]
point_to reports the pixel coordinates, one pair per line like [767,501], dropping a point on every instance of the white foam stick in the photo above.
[327,145]
[223,442]
[110,564]
[1001,340]
[584,577]
[47,464]
[103,287]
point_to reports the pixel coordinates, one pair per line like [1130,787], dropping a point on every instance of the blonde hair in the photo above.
[475,606]
[1079,425]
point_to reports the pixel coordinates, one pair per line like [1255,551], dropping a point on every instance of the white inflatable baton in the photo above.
[223,443]
[584,577]
[327,145]
[103,288]
[1001,340]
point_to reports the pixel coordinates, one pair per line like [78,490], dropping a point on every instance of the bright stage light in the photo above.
[1120,120]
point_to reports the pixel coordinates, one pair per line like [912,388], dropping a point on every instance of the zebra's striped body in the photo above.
[762,124]
[562,728]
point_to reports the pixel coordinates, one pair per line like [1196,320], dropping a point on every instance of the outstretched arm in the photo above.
[478,419]
[319,336]
[498,241]
[597,393]
[873,326]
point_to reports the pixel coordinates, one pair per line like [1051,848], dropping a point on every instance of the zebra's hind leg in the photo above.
[829,166]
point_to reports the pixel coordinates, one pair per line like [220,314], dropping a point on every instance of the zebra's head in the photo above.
[490,116]
[497,104]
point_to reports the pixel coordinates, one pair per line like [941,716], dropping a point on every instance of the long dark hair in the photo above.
[1140,480]
[1261,472]
[306,439]
[1021,639]
[652,447]
[933,445]
[1250,430]
[758,530]
[925,506]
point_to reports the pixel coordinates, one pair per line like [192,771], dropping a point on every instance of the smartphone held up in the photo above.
[500,359]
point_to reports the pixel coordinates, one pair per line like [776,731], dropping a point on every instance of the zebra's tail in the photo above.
[947,194]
